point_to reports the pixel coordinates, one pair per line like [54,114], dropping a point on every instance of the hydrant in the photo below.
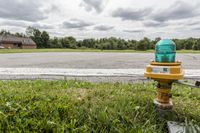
[165,70]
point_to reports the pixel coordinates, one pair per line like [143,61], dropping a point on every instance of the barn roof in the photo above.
[14,39]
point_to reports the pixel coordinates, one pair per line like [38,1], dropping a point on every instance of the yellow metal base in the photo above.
[163,95]
[164,106]
[165,74]
[164,71]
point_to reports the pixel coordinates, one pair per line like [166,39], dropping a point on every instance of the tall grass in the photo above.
[72,106]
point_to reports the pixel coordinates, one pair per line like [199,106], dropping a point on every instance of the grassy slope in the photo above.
[82,50]
[71,106]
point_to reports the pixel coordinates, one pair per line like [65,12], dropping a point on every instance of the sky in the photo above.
[128,19]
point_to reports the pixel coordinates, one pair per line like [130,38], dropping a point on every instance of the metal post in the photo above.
[163,99]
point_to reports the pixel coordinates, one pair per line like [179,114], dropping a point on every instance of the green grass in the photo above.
[73,106]
[83,50]
[67,50]
[188,51]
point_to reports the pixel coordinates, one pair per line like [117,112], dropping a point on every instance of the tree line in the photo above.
[43,40]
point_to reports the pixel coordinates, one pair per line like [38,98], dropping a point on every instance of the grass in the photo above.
[73,106]
[83,50]
[65,50]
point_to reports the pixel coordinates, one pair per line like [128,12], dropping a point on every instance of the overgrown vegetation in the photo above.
[72,106]
[43,40]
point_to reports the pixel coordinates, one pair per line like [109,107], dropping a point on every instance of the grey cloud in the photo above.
[57,33]
[133,31]
[97,5]
[27,10]
[179,10]
[52,8]
[193,23]
[154,24]
[24,24]
[196,28]
[42,26]
[131,14]
[14,23]
[103,28]
[76,24]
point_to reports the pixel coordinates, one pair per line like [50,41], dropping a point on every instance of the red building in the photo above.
[13,42]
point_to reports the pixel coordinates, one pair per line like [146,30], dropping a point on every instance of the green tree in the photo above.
[72,42]
[132,44]
[79,44]
[45,39]
[5,32]
[189,43]
[180,43]
[89,43]
[122,44]
[40,38]
[20,34]
[153,42]
[196,45]
[143,44]
[34,34]
[68,42]
[55,43]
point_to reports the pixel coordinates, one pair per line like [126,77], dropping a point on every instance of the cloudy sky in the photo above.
[129,19]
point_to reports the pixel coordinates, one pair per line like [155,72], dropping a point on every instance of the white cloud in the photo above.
[126,19]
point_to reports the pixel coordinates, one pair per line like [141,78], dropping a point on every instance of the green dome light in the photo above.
[165,51]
